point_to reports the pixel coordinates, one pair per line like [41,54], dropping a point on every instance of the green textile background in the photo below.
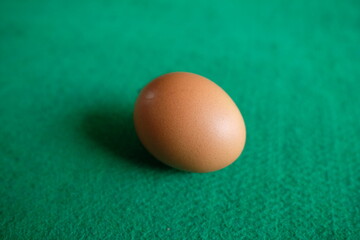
[71,166]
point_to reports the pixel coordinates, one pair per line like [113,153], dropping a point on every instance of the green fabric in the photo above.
[71,166]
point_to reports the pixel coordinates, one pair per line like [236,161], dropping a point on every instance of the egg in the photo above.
[189,123]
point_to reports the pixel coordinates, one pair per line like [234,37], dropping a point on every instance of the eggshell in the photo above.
[188,122]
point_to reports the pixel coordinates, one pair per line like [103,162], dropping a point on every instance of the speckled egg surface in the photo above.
[188,122]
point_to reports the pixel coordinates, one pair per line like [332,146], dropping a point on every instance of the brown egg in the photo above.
[188,122]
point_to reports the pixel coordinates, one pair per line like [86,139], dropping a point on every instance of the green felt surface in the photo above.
[71,166]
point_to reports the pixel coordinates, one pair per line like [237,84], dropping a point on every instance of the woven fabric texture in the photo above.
[71,166]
